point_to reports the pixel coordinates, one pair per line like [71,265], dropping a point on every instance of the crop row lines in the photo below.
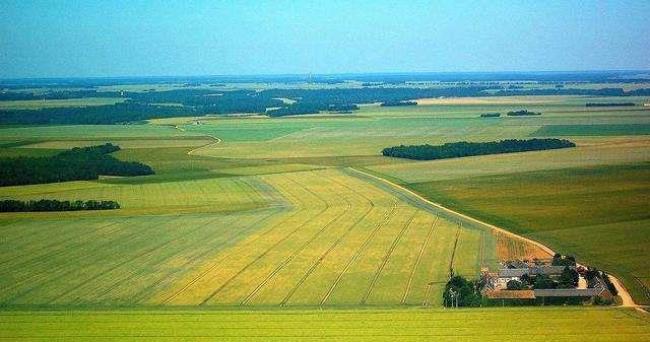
[356,255]
[46,273]
[424,246]
[384,260]
[163,258]
[216,264]
[259,257]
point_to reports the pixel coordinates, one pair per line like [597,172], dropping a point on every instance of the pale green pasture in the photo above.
[589,152]
[203,195]
[123,143]
[91,132]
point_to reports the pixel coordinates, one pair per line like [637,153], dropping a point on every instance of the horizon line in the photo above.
[378,73]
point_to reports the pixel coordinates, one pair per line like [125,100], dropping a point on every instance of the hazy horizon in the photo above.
[41,39]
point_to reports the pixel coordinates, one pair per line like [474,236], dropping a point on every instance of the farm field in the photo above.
[331,325]
[283,214]
[304,238]
[599,213]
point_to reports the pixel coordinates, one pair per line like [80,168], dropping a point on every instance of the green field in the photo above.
[280,214]
[600,214]
[593,130]
[533,324]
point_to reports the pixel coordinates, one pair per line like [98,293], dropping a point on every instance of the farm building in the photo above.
[559,284]
[507,274]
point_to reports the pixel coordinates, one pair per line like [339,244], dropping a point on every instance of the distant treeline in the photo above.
[490,115]
[76,164]
[574,91]
[301,109]
[54,95]
[552,78]
[610,104]
[464,149]
[523,112]
[55,205]
[140,106]
[399,104]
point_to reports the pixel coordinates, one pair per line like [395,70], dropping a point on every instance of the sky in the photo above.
[238,37]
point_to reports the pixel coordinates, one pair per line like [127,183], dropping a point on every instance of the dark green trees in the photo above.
[56,205]
[76,164]
[463,148]
[461,292]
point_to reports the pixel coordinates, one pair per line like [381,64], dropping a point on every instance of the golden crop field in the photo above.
[326,238]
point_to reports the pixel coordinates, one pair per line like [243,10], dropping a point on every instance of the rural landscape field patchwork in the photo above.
[248,224]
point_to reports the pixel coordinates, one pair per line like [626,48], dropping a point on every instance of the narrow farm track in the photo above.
[623,293]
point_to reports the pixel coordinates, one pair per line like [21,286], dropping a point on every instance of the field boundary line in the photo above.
[453,251]
[294,132]
[623,292]
[427,240]
[215,265]
[386,257]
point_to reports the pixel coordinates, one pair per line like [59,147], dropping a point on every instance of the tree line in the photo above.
[398,103]
[610,104]
[141,106]
[86,163]
[56,205]
[523,112]
[464,149]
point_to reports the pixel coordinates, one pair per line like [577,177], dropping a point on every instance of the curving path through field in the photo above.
[626,298]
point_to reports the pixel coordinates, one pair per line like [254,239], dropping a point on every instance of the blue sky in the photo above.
[127,38]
